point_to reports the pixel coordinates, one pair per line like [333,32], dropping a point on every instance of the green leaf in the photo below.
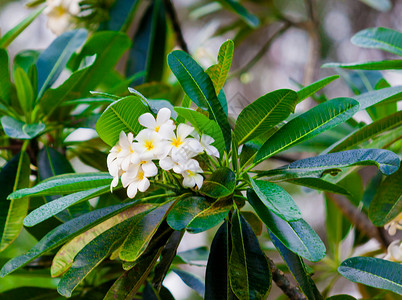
[371,98]
[192,281]
[368,131]
[54,59]
[11,35]
[14,175]
[63,233]
[199,87]
[297,236]
[119,14]
[379,38]
[220,184]
[50,209]
[318,119]
[20,130]
[25,59]
[315,87]
[371,65]
[219,72]
[121,115]
[141,233]
[387,202]
[65,184]
[264,113]
[29,281]
[249,272]
[251,19]
[198,214]
[298,269]
[320,184]
[204,125]
[373,272]
[387,161]
[64,258]
[381,5]
[276,199]
[24,90]
[5,83]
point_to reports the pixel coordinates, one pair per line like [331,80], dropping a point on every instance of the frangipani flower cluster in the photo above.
[174,148]
[61,14]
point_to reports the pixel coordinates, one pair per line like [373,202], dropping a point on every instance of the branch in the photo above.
[176,25]
[314,43]
[283,283]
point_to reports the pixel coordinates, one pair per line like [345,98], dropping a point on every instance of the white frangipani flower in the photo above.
[122,154]
[394,225]
[61,14]
[190,171]
[150,145]
[137,182]
[162,123]
[168,163]
[394,251]
[206,141]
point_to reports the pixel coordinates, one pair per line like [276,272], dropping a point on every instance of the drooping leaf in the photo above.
[5,83]
[297,236]
[118,14]
[220,184]
[220,71]
[264,113]
[204,125]
[198,214]
[387,202]
[65,184]
[20,130]
[298,269]
[14,175]
[249,272]
[24,90]
[313,88]
[387,161]
[373,97]
[318,119]
[373,272]
[199,87]
[251,19]
[54,59]
[192,281]
[254,222]
[276,199]
[379,38]
[121,115]
[56,206]
[320,184]
[372,65]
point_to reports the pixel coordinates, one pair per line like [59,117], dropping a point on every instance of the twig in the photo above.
[314,43]
[176,25]
[283,283]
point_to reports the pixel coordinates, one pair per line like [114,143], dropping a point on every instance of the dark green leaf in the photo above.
[372,65]
[121,115]
[193,255]
[320,184]
[20,130]
[373,272]
[297,236]
[118,14]
[315,87]
[199,87]
[243,13]
[25,59]
[220,184]
[192,281]
[24,90]
[371,98]
[5,83]
[318,119]
[264,113]
[379,38]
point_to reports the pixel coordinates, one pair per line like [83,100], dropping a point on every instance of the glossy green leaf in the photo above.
[219,72]
[381,5]
[118,15]
[63,233]
[24,90]
[264,113]
[372,65]
[387,202]
[387,95]
[204,125]
[379,38]
[121,115]
[298,270]
[29,281]
[199,87]
[54,59]
[297,236]
[220,184]
[191,280]
[56,206]
[141,233]
[20,130]
[369,131]
[276,199]
[5,83]
[318,119]
[14,175]
[12,34]
[313,88]
[321,185]
[387,161]
[251,19]
[193,255]
[249,272]
[373,272]
[198,214]
[254,221]
[387,139]
[25,59]
[65,184]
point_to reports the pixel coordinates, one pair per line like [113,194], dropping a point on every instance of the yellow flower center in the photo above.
[140,175]
[157,128]
[149,145]
[190,173]
[177,142]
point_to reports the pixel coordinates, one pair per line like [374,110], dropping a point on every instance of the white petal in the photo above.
[211,150]
[167,132]
[132,190]
[184,130]
[188,181]
[163,115]
[114,183]
[149,169]
[166,163]
[198,180]
[206,140]
[126,163]
[194,146]
[143,185]
[126,179]
[147,120]
[123,141]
